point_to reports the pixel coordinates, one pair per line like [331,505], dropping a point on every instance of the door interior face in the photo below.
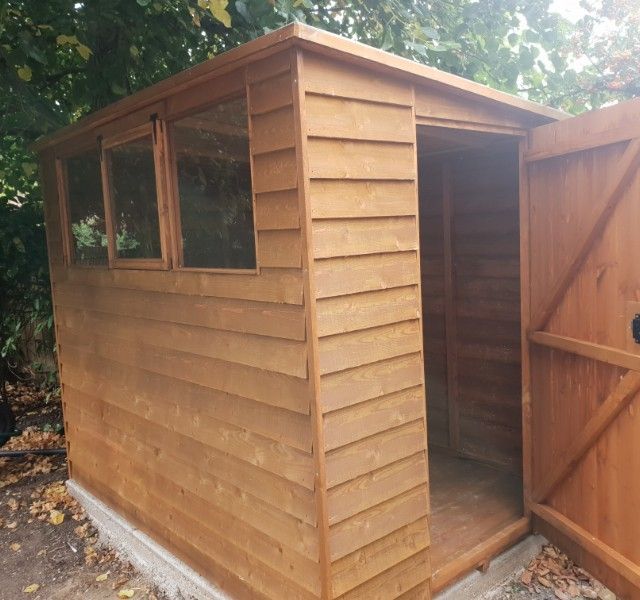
[585,362]
[470,243]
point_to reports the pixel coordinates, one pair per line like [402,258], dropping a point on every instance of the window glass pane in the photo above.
[86,209]
[214,184]
[134,200]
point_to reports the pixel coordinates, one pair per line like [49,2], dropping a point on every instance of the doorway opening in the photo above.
[470,268]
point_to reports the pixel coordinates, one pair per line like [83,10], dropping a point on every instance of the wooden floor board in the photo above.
[470,502]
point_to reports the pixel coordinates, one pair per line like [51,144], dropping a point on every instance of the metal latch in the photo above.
[635,328]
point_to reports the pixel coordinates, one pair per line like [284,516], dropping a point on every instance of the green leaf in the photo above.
[25,73]
[62,39]
[144,2]
[29,168]
[218,9]
[84,51]
[118,89]
[430,32]
[17,242]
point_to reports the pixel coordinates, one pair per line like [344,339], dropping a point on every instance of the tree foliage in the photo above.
[61,59]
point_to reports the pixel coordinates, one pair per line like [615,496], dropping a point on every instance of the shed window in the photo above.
[213,173]
[134,199]
[85,209]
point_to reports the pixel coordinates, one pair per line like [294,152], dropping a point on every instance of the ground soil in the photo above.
[48,548]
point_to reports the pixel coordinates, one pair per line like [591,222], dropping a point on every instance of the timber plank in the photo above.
[271,285]
[394,582]
[375,558]
[346,159]
[277,210]
[368,381]
[261,318]
[270,94]
[272,130]
[342,314]
[361,420]
[343,198]
[280,248]
[200,534]
[374,452]
[347,350]
[275,171]
[282,356]
[341,276]
[329,78]
[377,522]
[348,237]
[278,459]
[348,119]
[375,487]
[271,388]
[272,489]
[222,496]
[153,392]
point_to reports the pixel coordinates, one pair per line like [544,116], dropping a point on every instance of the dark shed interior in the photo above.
[469,229]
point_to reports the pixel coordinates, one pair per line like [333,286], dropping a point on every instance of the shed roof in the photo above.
[305,36]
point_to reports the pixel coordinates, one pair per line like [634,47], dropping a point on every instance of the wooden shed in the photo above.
[333,324]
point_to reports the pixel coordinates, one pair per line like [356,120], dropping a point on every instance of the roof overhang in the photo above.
[312,39]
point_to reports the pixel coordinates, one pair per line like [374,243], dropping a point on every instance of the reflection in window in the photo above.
[86,209]
[214,186]
[134,201]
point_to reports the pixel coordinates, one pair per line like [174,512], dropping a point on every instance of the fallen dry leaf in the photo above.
[562,595]
[126,593]
[102,577]
[12,525]
[573,590]
[56,517]
[30,589]
[544,581]
[15,546]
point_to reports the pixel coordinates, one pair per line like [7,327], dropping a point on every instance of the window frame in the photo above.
[153,129]
[71,150]
[174,192]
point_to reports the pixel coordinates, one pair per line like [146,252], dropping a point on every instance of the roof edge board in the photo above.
[330,43]
[307,37]
[273,42]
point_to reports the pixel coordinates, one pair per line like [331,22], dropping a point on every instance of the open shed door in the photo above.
[582,408]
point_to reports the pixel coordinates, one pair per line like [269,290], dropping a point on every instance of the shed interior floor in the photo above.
[470,502]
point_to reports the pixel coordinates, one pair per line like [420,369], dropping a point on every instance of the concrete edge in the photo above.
[479,586]
[170,574]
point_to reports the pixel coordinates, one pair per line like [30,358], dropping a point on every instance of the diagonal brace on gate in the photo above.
[606,413]
[620,180]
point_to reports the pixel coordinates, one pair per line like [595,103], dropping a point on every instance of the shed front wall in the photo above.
[187,396]
[360,156]
[362,199]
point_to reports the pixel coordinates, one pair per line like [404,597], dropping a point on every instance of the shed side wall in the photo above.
[363,201]
[186,395]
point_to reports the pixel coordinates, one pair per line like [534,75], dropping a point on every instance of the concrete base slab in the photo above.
[479,586]
[171,575]
[179,581]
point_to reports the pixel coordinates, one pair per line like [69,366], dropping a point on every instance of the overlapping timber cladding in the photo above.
[274,273]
